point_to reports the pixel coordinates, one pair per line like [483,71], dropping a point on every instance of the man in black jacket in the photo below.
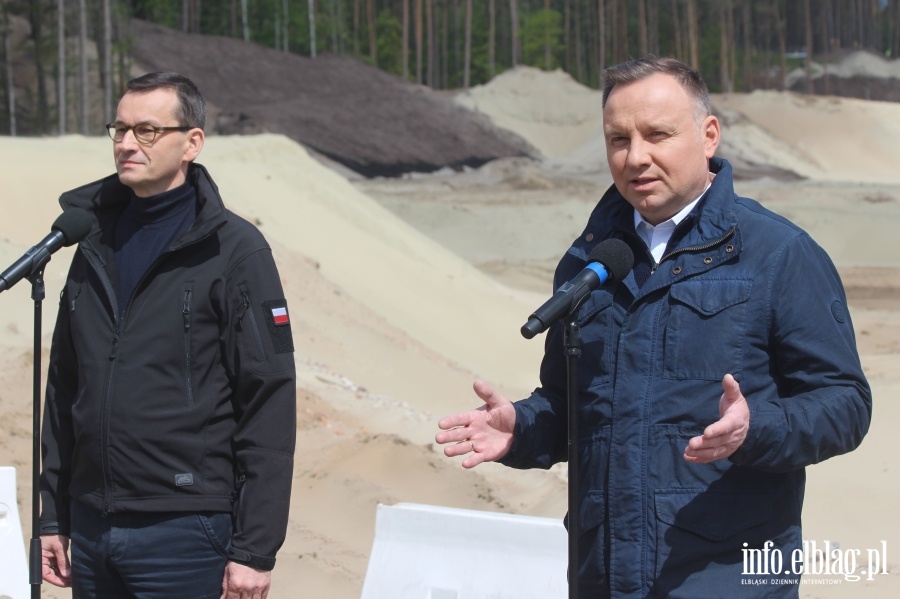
[169,421]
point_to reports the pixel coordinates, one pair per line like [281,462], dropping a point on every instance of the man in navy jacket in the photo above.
[720,367]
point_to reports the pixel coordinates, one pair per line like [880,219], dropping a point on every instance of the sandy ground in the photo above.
[402,291]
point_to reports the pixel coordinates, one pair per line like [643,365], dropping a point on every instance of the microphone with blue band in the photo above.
[609,261]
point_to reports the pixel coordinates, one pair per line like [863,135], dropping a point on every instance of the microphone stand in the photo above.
[37,294]
[573,344]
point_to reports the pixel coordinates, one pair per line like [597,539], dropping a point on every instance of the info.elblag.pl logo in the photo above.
[814,559]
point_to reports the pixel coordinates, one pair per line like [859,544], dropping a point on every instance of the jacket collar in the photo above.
[708,237]
[106,198]
[712,217]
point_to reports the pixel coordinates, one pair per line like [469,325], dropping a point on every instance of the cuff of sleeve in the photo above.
[259,562]
[511,459]
[752,449]
[53,528]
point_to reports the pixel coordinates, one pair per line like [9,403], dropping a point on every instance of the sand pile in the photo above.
[823,138]
[864,64]
[555,113]
[857,63]
[564,120]
[764,134]
[856,74]
[359,116]
[390,330]
[407,279]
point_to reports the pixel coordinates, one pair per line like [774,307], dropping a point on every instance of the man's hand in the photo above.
[244,582]
[723,437]
[487,432]
[55,566]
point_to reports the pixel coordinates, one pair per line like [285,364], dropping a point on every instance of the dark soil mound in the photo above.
[372,122]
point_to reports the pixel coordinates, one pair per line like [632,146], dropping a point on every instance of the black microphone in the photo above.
[610,260]
[69,228]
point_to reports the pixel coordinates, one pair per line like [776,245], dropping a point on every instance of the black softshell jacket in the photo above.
[186,404]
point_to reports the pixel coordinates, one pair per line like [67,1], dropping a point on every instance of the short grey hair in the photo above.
[191,111]
[641,68]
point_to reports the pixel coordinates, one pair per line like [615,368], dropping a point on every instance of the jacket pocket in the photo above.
[592,544]
[705,532]
[218,529]
[706,328]
[249,328]
[593,534]
[74,290]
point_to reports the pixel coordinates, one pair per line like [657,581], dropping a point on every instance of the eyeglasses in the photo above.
[144,133]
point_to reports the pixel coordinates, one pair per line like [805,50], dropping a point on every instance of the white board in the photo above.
[13,563]
[432,552]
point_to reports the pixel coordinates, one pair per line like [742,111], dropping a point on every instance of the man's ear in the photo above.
[194,144]
[712,134]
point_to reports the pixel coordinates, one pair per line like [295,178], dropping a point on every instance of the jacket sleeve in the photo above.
[260,355]
[823,405]
[540,438]
[57,437]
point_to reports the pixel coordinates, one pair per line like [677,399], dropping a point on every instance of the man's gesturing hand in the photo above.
[486,432]
[723,437]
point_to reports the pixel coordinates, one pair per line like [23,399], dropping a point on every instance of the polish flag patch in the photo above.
[280,316]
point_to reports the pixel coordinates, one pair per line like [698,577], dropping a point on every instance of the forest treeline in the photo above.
[69,58]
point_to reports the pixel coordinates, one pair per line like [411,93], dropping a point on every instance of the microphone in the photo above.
[610,260]
[69,228]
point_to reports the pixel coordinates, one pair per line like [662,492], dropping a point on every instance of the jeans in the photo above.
[148,555]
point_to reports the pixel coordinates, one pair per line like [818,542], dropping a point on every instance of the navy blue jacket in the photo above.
[742,291]
[187,402]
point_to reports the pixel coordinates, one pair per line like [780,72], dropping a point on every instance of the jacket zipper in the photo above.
[186,314]
[104,427]
[93,259]
[696,248]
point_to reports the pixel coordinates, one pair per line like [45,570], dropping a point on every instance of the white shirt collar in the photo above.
[657,237]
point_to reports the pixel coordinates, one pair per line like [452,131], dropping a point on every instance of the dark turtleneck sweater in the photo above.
[143,232]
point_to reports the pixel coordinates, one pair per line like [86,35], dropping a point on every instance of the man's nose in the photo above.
[129,141]
[638,153]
